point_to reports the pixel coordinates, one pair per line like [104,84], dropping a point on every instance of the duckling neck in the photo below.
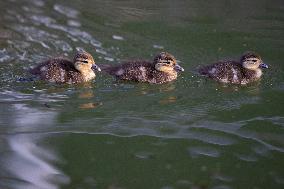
[172,74]
[258,73]
[169,76]
[88,75]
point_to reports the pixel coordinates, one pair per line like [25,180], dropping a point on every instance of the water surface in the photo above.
[191,133]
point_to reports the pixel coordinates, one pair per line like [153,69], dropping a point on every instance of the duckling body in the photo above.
[58,70]
[245,71]
[163,69]
[230,72]
[61,70]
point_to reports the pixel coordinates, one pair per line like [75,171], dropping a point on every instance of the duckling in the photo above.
[61,70]
[163,69]
[245,71]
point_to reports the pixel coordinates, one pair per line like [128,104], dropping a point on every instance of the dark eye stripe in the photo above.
[166,62]
[84,61]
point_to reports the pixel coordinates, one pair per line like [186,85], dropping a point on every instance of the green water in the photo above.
[191,133]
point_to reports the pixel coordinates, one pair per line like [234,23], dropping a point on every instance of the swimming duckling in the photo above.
[247,70]
[163,69]
[61,70]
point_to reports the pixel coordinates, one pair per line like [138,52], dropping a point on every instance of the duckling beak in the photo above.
[262,65]
[96,68]
[178,68]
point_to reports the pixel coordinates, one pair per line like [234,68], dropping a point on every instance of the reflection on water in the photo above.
[88,95]
[192,133]
[30,165]
[27,164]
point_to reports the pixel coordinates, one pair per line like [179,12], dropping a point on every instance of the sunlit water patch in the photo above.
[30,165]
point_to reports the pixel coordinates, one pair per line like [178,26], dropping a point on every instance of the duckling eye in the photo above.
[168,60]
[85,61]
[254,61]
[165,61]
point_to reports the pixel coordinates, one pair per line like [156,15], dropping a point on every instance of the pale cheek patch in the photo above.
[251,63]
[167,69]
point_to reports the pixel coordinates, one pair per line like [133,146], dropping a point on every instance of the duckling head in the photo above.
[165,62]
[84,63]
[252,61]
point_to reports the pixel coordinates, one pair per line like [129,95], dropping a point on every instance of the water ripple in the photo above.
[117,37]
[233,129]
[67,11]
[48,39]
[248,158]
[41,19]
[4,55]
[203,151]
[38,3]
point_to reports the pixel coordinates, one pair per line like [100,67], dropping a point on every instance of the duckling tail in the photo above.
[202,70]
[34,71]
